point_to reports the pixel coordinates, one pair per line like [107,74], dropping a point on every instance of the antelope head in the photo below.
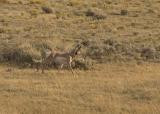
[77,49]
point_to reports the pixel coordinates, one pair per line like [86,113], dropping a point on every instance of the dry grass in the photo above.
[129,89]
[111,88]
[69,21]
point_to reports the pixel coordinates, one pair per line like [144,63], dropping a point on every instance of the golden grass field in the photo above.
[109,89]
[113,87]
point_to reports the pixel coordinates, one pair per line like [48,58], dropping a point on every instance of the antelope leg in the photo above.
[71,69]
[37,67]
[61,66]
[43,67]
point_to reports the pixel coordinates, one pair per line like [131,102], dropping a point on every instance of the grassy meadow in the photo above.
[122,47]
[112,88]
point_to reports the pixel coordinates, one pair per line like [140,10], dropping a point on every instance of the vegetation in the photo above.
[114,33]
[110,88]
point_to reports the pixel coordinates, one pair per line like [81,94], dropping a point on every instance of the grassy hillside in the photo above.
[62,23]
[119,35]
[74,19]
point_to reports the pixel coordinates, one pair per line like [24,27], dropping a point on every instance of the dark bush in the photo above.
[16,56]
[95,14]
[110,42]
[22,52]
[47,9]
[148,53]
[124,12]
[80,65]
[95,52]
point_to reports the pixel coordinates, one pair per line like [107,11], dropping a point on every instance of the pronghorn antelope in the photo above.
[65,59]
[60,59]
